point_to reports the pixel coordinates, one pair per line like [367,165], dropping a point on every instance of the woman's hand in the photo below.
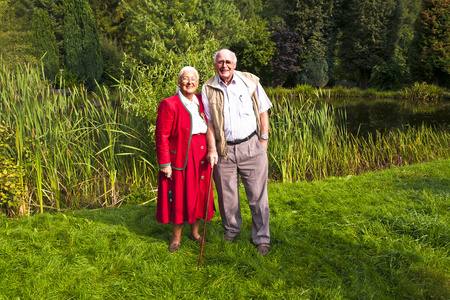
[212,157]
[167,171]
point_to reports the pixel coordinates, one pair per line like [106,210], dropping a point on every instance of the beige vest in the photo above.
[216,103]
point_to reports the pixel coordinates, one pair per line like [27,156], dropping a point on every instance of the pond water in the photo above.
[370,115]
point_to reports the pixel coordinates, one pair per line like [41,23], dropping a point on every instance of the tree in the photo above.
[44,42]
[314,73]
[395,72]
[283,65]
[249,9]
[82,53]
[15,46]
[155,28]
[368,35]
[315,22]
[431,50]
[255,48]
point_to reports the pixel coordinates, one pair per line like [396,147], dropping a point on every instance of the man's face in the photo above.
[225,65]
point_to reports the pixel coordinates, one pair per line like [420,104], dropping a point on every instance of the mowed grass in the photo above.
[378,235]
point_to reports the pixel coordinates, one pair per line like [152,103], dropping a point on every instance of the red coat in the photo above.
[173,132]
[182,198]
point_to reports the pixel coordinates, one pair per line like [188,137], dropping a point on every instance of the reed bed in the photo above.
[421,92]
[88,150]
[76,151]
[308,144]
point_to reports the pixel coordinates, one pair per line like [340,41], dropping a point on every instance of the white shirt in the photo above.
[198,123]
[239,117]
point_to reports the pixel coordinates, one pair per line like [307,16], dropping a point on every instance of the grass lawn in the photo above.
[379,235]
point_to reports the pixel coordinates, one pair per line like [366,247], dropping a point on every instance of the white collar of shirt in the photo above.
[221,82]
[186,101]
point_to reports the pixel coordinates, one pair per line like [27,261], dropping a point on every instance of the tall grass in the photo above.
[418,92]
[90,150]
[76,151]
[307,144]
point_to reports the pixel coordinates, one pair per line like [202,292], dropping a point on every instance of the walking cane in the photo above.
[206,215]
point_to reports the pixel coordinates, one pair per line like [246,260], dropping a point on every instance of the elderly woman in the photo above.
[181,151]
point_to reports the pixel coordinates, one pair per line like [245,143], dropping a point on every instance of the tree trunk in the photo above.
[364,77]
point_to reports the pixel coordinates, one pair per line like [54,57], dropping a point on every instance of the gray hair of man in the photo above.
[217,53]
[187,68]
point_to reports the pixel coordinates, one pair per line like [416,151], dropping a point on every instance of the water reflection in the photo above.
[368,116]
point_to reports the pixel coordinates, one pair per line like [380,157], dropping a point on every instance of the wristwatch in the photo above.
[264,136]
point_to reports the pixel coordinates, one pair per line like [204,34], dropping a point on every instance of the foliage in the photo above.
[113,57]
[380,235]
[314,73]
[82,53]
[369,34]
[431,52]
[11,188]
[110,19]
[172,26]
[44,42]
[394,73]
[314,21]
[15,46]
[150,84]
[308,142]
[95,149]
[255,49]
[423,92]
[85,150]
[284,63]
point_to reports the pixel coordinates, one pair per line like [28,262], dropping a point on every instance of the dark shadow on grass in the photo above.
[140,220]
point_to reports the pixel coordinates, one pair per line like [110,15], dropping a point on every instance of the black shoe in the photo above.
[228,239]
[263,249]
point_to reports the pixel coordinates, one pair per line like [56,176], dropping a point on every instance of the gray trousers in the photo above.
[249,160]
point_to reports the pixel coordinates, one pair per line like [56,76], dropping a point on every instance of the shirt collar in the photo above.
[186,100]
[233,80]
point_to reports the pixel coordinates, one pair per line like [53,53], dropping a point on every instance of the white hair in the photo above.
[217,53]
[187,68]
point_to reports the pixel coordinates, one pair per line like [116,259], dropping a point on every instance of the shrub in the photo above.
[423,92]
[11,189]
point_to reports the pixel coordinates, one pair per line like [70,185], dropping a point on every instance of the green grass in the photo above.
[379,235]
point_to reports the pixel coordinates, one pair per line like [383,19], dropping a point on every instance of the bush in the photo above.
[11,189]
[314,73]
[423,92]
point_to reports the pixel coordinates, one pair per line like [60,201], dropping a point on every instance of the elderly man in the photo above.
[236,108]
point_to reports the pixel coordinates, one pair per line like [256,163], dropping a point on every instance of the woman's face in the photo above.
[188,83]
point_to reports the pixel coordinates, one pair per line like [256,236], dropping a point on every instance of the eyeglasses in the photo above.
[224,62]
[186,79]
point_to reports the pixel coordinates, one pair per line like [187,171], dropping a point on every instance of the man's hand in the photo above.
[264,142]
[167,171]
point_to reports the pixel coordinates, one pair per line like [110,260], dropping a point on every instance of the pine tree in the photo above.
[82,53]
[369,34]
[44,42]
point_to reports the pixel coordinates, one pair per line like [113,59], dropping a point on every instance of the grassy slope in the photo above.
[381,235]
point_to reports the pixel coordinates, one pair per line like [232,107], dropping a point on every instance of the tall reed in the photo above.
[69,146]
[307,144]
[87,150]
